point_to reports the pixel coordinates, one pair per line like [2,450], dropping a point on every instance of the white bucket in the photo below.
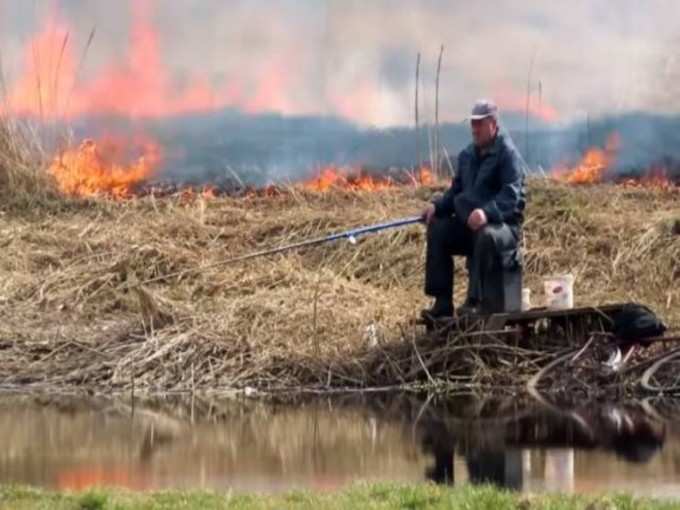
[526,299]
[559,292]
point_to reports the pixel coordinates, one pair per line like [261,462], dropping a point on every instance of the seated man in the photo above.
[479,216]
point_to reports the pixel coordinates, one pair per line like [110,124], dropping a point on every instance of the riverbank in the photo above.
[378,497]
[108,296]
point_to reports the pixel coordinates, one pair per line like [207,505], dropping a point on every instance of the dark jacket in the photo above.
[493,182]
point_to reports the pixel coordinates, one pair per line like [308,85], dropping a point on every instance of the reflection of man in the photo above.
[499,467]
[441,444]
[479,216]
[494,456]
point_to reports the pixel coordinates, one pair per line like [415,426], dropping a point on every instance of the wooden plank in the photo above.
[498,321]
[544,313]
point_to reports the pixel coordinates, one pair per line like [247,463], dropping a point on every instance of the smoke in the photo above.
[261,149]
[357,59]
[271,90]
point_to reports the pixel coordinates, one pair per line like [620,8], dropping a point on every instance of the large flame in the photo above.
[101,168]
[57,79]
[53,83]
[594,164]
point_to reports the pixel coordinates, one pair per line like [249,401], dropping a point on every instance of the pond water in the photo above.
[323,444]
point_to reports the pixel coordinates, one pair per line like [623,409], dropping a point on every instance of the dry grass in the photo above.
[76,310]
[22,177]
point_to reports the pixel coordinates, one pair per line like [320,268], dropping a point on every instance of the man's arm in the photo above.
[505,205]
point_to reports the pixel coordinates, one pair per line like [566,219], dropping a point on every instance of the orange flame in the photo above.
[138,85]
[92,170]
[331,178]
[509,99]
[596,161]
[656,177]
[209,192]
[593,165]
[426,177]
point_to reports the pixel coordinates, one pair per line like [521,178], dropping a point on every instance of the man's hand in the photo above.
[477,220]
[428,214]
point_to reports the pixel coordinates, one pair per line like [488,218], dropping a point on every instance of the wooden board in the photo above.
[499,320]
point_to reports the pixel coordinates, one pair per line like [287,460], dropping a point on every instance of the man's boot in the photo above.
[470,307]
[442,308]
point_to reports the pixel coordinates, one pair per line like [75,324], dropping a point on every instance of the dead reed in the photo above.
[21,159]
[114,295]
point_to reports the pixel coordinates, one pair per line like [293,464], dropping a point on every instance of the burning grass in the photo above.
[92,168]
[107,295]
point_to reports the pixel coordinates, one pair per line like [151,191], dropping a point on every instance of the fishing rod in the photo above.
[351,235]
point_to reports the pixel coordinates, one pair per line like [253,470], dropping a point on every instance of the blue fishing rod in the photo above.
[350,235]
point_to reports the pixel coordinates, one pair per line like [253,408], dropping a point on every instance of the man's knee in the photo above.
[488,239]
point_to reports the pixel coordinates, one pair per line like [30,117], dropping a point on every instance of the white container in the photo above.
[559,292]
[526,299]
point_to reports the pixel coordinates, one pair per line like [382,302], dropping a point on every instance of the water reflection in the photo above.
[509,453]
[324,444]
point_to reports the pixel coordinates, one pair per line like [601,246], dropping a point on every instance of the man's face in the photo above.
[483,131]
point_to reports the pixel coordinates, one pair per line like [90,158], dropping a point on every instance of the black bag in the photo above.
[636,322]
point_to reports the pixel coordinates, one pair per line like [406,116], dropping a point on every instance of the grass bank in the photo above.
[376,497]
[109,295]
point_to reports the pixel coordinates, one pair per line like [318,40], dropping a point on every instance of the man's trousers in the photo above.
[484,248]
